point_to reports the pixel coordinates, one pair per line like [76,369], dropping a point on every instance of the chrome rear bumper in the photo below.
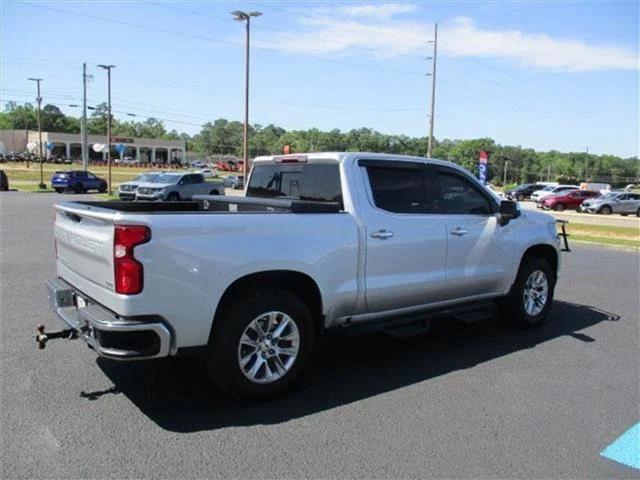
[109,335]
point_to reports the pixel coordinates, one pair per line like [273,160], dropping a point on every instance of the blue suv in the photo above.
[78,181]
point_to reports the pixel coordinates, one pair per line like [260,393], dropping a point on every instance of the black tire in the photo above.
[605,210]
[221,359]
[59,190]
[214,192]
[624,214]
[559,207]
[173,197]
[515,305]
[102,188]
[78,188]
[638,213]
[519,198]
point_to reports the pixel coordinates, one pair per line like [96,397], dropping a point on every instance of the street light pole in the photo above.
[246,17]
[85,145]
[433,91]
[108,69]
[39,100]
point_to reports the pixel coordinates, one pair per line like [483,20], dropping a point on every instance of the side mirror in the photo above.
[181,182]
[508,211]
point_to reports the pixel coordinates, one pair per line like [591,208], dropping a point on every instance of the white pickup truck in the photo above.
[319,241]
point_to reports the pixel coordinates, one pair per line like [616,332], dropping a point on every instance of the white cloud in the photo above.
[379,10]
[372,29]
[461,37]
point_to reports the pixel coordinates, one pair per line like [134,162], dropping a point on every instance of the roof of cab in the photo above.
[342,156]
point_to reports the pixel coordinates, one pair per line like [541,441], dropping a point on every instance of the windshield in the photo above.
[168,178]
[607,196]
[146,177]
[315,182]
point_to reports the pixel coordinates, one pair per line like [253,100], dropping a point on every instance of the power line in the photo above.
[215,40]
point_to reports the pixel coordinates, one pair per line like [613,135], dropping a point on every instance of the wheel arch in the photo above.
[542,250]
[297,282]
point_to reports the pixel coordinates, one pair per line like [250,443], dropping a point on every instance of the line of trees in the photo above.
[224,137]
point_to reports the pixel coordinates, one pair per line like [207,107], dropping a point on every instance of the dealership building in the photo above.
[69,145]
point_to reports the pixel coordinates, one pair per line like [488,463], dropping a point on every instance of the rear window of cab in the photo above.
[311,182]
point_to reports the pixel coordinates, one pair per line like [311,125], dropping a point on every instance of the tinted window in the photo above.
[315,182]
[634,196]
[457,195]
[398,190]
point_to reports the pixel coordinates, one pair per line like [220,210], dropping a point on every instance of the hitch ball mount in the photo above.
[43,337]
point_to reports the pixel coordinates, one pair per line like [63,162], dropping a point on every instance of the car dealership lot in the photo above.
[467,401]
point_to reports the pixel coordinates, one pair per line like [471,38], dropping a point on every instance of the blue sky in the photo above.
[546,75]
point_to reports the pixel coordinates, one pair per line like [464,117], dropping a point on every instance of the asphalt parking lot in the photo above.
[467,401]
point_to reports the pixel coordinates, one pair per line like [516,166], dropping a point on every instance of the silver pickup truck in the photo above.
[178,186]
[320,241]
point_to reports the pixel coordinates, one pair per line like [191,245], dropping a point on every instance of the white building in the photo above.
[69,145]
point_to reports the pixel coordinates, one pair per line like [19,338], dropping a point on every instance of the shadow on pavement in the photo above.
[177,395]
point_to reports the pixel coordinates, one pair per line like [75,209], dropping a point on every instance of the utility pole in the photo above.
[39,100]
[433,91]
[586,165]
[246,17]
[26,132]
[85,146]
[108,69]
[506,166]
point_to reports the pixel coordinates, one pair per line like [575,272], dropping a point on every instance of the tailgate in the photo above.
[84,242]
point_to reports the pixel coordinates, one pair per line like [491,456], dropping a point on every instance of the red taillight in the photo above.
[128,271]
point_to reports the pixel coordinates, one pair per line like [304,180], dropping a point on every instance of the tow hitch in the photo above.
[42,338]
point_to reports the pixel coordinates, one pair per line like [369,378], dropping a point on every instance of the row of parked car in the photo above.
[562,197]
[149,186]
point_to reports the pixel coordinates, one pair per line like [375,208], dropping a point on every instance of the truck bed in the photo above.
[215,204]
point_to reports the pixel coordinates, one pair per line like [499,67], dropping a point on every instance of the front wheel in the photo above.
[559,207]
[102,188]
[261,344]
[59,190]
[519,198]
[606,210]
[532,293]
[638,213]
[173,197]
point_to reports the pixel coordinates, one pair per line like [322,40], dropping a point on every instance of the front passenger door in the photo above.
[480,250]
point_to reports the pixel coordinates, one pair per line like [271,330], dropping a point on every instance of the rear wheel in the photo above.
[559,207]
[606,210]
[532,293]
[260,344]
[59,190]
[173,197]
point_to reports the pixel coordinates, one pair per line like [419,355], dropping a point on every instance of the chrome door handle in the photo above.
[458,232]
[382,234]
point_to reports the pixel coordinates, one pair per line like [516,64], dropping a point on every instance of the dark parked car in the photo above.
[571,199]
[78,181]
[4,181]
[522,192]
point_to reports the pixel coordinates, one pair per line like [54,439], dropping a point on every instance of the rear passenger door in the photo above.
[406,244]
[480,250]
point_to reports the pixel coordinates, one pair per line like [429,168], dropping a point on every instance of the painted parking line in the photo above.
[626,449]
